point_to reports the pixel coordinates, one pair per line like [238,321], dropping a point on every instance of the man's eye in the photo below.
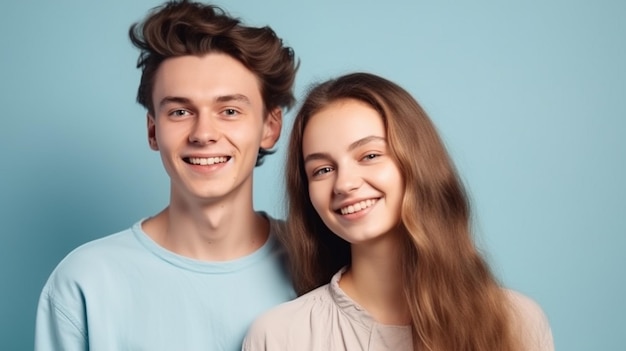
[231,112]
[179,113]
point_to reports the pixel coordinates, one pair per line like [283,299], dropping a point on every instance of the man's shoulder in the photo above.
[276,224]
[101,247]
[278,227]
[90,259]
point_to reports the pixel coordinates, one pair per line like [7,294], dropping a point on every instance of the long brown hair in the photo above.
[454,299]
[181,28]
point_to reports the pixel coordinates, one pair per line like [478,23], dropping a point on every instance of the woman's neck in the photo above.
[374,281]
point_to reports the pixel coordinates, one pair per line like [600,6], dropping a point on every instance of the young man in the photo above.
[195,275]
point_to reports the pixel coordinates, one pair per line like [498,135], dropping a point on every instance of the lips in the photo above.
[357,206]
[206,161]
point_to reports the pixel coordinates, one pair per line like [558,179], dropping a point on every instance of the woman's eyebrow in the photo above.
[354,145]
[316,156]
[366,140]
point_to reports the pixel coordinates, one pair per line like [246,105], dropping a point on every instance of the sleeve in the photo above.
[532,322]
[56,329]
[256,339]
[546,342]
[272,331]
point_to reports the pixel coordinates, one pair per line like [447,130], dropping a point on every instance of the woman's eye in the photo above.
[370,156]
[322,171]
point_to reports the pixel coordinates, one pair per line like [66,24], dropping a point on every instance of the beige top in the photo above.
[327,319]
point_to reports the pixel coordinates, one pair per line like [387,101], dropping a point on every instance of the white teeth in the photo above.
[359,206]
[205,161]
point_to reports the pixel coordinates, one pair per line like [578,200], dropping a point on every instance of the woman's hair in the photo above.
[454,300]
[181,28]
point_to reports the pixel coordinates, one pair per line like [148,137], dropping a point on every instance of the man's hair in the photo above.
[181,28]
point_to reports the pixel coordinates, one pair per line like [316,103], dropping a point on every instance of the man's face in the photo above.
[208,125]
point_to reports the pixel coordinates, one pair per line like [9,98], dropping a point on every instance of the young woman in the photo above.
[376,208]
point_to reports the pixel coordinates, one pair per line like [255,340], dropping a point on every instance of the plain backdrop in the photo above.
[530,97]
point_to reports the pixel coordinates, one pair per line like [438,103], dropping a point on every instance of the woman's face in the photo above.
[354,183]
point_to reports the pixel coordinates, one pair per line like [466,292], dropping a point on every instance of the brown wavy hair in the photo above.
[181,28]
[454,299]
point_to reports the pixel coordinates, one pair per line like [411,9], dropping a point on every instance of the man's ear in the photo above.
[152,133]
[271,128]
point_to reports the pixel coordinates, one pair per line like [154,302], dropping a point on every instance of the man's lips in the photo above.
[206,161]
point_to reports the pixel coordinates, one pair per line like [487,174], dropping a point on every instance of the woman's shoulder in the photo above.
[530,321]
[302,305]
[289,320]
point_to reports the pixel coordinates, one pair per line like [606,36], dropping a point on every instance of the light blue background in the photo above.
[530,97]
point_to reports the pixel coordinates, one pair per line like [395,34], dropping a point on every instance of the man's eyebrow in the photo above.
[223,98]
[234,97]
[174,100]
[354,145]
